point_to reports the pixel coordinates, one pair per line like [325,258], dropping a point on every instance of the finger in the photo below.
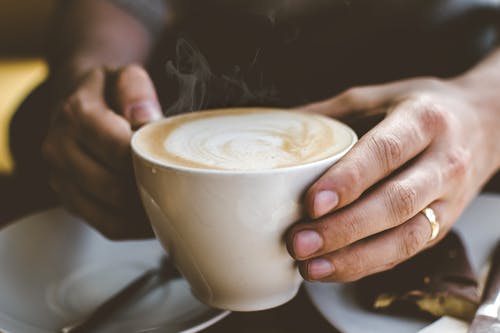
[85,116]
[93,178]
[90,92]
[400,137]
[91,146]
[136,96]
[113,224]
[106,136]
[356,101]
[368,99]
[387,206]
[88,96]
[379,253]
[72,165]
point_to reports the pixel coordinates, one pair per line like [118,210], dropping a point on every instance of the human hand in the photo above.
[88,149]
[435,148]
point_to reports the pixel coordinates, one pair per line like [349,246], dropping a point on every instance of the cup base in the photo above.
[253,305]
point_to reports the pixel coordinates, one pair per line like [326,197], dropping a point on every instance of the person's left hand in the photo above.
[435,148]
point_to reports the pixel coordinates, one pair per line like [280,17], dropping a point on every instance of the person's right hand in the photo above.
[88,150]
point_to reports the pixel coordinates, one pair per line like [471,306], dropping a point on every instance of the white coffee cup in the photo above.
[225,229]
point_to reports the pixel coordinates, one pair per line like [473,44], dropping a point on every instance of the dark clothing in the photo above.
[287,57]
[223,54]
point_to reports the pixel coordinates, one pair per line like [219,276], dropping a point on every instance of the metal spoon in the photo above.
[142,285]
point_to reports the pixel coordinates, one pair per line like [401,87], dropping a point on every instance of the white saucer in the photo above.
[54,270]
[479,228]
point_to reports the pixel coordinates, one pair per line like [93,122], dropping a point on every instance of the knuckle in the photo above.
[432,117]
[346,179]
[388,149]
[323,227]
[352,95]
[413,239]
[351,231]
[402,200]
[351,269]
[96,73]
[351,177]
[129,72]
[78,105]
[457,162]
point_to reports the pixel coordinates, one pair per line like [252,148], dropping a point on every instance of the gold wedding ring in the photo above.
[431,217]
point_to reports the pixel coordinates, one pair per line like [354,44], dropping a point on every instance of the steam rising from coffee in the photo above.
[198,85]
[279,38]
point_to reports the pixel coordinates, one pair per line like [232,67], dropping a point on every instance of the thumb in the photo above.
[136,97]
[356,102]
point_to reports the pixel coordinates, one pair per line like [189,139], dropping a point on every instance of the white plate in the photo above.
[54,270]
[479,228]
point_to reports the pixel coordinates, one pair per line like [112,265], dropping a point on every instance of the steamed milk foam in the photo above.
[244,139]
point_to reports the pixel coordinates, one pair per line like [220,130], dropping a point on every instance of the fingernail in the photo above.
[319,268]
[324,202]
[144,112]
[306,242]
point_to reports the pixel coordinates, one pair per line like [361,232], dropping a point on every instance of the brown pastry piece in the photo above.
[437,282]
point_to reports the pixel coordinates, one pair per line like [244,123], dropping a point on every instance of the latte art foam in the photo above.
[244,139]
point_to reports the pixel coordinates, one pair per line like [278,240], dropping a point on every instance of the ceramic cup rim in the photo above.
[172,166]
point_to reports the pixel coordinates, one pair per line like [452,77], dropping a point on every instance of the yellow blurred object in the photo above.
[24,31]
[17,79]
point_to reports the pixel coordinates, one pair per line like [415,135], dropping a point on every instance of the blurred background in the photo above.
[24,26]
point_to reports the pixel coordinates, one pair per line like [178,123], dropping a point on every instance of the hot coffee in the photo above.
[244,139]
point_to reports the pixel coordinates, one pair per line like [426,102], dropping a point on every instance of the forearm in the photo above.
[95,33]
[481,84]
